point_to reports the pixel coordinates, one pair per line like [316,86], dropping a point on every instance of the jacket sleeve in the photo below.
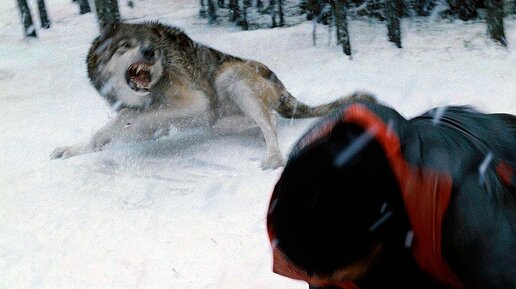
[481,233]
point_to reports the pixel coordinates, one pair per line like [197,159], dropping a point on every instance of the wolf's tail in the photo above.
[290,107]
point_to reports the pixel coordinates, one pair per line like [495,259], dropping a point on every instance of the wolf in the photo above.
[156,77]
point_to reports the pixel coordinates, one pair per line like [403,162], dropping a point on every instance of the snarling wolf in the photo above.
[156,77]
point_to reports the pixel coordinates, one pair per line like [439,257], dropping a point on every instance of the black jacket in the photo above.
[476,152]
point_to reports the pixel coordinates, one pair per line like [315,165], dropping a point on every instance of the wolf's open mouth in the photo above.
[138,76]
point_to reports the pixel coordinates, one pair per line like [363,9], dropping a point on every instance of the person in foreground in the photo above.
[371,200]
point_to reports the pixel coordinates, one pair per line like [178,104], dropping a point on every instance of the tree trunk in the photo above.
[115,11]
[314,9]
[45,23]
[280,11]
[272,7]
[341,23]
[314,32]
[245,23]
[495,21]
[467,9]
[212,13]
[202,10]
[107,12]
[422,7]
[235,10]
[29,29]
[84,7]
[393,21]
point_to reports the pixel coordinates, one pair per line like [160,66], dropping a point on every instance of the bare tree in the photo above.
[202,10]
[314,13]
[424,7]
[235,10]
[84,7]
[276,10]
[341,23]
[314,31]
[393,21]
[280,12]
[107,12]
[29,29]
[272,8]
[495,21]
[245,6]
[43,16]
[212,13]
[465,9]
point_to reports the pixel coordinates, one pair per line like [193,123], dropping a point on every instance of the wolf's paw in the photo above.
[77,149]
[272,162]
[98,143]
[62,153]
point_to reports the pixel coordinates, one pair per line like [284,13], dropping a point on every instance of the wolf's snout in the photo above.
[150,53]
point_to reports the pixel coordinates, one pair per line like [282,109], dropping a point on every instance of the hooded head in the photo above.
[337,202]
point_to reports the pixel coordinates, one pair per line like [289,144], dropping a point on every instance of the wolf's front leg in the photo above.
[96,143]
[128,125]
[65,152]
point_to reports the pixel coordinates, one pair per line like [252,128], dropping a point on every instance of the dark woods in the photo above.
[26,17]
[107,13]
[241,11]
[259,14]
[390,11]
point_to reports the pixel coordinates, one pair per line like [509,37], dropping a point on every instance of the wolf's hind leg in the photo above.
[234,85]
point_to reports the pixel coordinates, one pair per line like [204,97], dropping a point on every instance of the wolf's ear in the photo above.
[158,30]
[163,31]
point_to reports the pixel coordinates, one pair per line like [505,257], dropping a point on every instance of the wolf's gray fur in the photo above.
[156,77]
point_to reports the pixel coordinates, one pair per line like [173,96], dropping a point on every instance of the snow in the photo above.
[483,167]
[438,114]
[380,221]
[355,147]
[188,210]
[409,238]
[30,29]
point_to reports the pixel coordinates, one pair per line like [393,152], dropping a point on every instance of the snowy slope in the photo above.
[187,211]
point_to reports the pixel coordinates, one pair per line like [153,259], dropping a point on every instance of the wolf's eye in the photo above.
[125,45]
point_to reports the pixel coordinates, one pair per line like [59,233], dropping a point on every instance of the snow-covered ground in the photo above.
[188,211]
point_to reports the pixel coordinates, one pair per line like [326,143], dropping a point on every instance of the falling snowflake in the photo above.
[438,115]
[483,167]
